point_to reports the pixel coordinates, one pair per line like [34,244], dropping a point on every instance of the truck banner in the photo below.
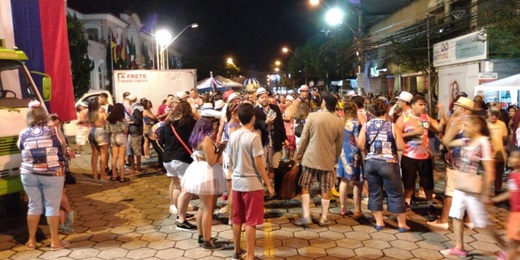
[154,85]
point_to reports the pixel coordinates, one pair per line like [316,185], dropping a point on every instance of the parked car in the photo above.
[71,127]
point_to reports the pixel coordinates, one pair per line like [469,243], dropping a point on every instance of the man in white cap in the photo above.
[403,102]
[462,108]
[303,97]
[416,158]
[269,121]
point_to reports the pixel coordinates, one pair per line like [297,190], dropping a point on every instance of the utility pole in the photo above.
[361,59]
[430,89]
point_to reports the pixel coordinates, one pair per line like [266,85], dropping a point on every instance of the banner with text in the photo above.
[469,47]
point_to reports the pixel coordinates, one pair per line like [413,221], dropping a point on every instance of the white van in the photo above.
[71,128]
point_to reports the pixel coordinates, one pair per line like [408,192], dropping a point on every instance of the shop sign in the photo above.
[466,48]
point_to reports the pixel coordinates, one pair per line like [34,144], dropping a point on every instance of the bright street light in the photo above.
[193,25]
[164,40]
[314,2]
[334,16]
[229,60]
[286,50]
[163,37]
[277,63]
[277,69]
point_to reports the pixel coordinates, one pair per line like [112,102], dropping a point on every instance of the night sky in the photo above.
[251,31]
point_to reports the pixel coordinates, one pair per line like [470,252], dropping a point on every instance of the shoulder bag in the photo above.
[180,140]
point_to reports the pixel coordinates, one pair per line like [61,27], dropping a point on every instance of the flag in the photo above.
[113,45]
[40,30]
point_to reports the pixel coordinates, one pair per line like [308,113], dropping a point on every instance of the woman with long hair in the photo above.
[205,177]
[475,151]
[42,172]
[175,135]
[118,129]
[381,141]
[149,119]
[350,161]
[98,139]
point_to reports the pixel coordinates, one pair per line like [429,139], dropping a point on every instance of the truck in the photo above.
[17,89]
[154,85]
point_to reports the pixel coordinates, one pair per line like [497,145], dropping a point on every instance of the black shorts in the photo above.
[411,167]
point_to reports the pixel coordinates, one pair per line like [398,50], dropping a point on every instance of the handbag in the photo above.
[180,140]
[468,182]
[290,188]
[298,130]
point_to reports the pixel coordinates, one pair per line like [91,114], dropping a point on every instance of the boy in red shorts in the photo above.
[513,194]
[245,156]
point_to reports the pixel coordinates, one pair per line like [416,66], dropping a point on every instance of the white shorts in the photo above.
[468,202]
[175,168]
[82,134]
[449,183]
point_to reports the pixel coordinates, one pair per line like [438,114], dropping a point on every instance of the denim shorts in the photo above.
[381,174]
[175,168]
[43,190]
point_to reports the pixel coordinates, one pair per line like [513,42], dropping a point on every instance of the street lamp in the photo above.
[164,40]
[229,61]
[286,50]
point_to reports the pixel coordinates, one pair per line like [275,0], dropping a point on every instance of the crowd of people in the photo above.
[232,145]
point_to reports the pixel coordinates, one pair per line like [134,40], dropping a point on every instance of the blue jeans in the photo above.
[43,191]
[381,174]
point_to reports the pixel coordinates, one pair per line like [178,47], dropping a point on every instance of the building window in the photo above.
[93,34]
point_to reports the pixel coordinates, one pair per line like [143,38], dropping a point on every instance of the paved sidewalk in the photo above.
[131,221]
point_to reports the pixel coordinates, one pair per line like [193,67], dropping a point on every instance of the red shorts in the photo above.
[513,226]
[248,208]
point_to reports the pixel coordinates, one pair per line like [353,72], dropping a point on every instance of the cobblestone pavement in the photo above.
[131,221]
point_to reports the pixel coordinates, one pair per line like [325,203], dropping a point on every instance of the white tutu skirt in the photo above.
[202,179]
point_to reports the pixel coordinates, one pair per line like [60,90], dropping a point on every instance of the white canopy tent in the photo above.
[502,90]
[217,83]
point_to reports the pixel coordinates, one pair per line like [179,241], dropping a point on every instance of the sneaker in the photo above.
[186,226]
[454,252]
[200,240]
[188,216]
[323,222]
[303,222]
[211,245]
[173,209]
[437,224]
[69,219]
[65,229]
[238,256]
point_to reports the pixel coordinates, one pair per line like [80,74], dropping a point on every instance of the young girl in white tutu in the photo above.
[205,177]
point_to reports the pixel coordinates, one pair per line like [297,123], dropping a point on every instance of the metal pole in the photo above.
[360,44]
[430,97]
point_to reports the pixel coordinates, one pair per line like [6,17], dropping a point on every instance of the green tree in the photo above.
[81,65]
[501,18]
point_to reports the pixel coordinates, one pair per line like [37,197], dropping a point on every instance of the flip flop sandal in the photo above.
[33,247]
[124,179]
[63,244]
[115,178]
